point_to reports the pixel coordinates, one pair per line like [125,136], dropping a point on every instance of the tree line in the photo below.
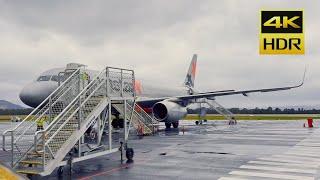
[257,110]
[15,111]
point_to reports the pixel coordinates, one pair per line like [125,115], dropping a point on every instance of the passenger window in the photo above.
[44,78]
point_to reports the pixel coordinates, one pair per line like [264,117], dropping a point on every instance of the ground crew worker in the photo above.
[233,121]
[85,76]
[40,124]
[85,79]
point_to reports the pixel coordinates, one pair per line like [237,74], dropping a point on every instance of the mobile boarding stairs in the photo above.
[212,103]
[74,107]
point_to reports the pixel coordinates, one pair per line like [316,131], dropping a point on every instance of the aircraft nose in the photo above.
[34,93]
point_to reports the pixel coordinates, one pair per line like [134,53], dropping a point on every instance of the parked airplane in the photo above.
[167,105]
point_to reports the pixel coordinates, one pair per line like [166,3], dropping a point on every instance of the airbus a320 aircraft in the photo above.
[167,105]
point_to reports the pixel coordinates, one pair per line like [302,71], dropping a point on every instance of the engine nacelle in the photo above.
[168,111]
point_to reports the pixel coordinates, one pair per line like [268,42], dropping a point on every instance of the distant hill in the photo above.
[8,105]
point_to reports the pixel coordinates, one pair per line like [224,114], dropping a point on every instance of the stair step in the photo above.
[61,133]
[75,124]
[31,162]
[37,154]
[51,145]
[63,130]
[26,171]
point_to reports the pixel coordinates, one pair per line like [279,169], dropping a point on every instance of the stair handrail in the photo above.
[40,116]
[41,103]
[224,111]
[139,115]
[87,98]
[54,121]
[145,113]
[65,112]
[56,95]
[73,101]
[37,108]
[96,85]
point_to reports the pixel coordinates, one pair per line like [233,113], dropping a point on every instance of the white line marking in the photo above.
[304,151]
[273,175]
[306,147]
[231,178]
[270,135]
[304,154]
[287,160]
[306,165]
[317,143]
[310,146]
[279,169]
[262,139]
[305,159]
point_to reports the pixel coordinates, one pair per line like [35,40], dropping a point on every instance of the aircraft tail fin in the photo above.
[189,81]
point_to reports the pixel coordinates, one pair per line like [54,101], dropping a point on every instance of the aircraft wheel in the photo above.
[60,171]
[168,125]
[121,123]
[115,123]
[93,135]
[129,153]
[175,124]
[197,122]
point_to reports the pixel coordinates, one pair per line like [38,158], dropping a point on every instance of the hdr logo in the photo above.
[281,32]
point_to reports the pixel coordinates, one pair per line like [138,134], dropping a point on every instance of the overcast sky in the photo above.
[157,39]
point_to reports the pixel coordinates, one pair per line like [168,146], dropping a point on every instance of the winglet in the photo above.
[304,74]
[303,77]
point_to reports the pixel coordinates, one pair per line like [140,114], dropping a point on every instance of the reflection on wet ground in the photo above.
[209,151]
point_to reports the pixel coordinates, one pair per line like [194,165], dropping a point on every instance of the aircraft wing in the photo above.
[245,92]
[215,94]
[233,92]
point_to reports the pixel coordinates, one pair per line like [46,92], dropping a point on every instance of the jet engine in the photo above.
[167,111]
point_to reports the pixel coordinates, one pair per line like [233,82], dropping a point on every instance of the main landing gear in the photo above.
[174,124]
[117,122]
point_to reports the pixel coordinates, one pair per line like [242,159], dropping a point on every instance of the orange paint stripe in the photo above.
[108,172]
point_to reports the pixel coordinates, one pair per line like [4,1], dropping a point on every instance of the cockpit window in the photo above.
[44,78]
[55,78]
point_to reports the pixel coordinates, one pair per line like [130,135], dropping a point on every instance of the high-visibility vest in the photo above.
[40,122]
[85,76]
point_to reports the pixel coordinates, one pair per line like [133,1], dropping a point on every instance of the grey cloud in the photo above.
[157,39]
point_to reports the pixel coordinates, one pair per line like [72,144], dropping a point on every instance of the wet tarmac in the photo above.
[249,150]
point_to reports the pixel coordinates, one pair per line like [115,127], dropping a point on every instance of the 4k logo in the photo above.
[281,32]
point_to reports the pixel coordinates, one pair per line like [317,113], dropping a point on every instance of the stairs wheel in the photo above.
[60,171]
[168,125]
[129,154]
[175,124]
[29,176]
